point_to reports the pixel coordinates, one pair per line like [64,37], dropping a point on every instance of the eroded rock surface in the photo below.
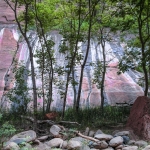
[139,119]
[6,14]
[118,89]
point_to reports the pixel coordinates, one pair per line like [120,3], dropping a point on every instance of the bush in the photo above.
[94,116]
[6,130]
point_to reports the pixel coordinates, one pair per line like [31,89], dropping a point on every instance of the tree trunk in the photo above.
[103,73]
[24,34]
[65,95]
[91,13]
[74,88]
[141,37]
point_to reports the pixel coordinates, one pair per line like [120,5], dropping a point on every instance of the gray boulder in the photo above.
[98,132]
[105,137]
[43,138]
[56,142]
[86,131]
[74,145]
[141,143]
[85,147]
[127,133]
[55,130]
[126,139]
[100,145]
[26,136]
[91,133]
[42,146]
[109,148]
[116,141]
[147,147]
[130,148]
[64,145]
[131,142]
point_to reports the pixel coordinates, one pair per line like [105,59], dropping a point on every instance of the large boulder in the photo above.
[54,130]
[56,142]
[139,119]
[74,145]
[116,141]
[26,136]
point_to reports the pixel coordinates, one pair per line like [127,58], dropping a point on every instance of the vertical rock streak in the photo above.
[119,89]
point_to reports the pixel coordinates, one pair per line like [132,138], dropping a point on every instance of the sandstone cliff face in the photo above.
[118,89]
[139,119]
[6,14]
[8,47]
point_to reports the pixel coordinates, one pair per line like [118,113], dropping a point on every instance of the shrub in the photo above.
[6,130]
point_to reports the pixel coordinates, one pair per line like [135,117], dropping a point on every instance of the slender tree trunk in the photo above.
[104,71]
[145,73]
[73,58]
[51,74]
[74,88]
[91,13]
[50,93]
[65,95]
[43,91]
[141,36]
[24,34]
[79,89]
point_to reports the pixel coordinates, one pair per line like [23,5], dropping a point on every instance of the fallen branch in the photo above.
[68,122]
[46,121]
[61,127]
[39,121]
[50,122]
[86,137]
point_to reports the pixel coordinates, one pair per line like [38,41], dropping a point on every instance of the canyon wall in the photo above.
[118,88]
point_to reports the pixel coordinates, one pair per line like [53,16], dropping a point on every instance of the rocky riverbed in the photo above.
[61,138]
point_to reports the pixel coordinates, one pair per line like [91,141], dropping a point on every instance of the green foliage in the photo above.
[69,133]
[130,59]
[139,68]
[48,14]
[98,68]
[6,130]
[94,117]
[19,94]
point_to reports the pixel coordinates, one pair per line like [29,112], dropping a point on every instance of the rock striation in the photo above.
[6,14]
[120,89]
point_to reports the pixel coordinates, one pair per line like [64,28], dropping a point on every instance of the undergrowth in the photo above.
[94,117]
[87,117]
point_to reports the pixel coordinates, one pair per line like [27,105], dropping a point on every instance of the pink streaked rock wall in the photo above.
[6,14]
[118,89]
[8,46]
